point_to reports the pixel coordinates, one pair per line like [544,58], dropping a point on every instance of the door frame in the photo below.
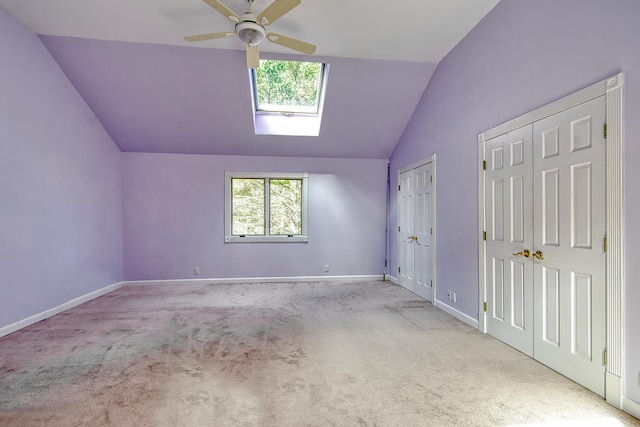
[612,89]
[430,159]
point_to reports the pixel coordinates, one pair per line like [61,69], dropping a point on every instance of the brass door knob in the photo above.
[526,253]
[539,255]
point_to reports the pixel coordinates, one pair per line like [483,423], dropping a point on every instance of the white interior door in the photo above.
[570,227]
[508,213]
[415,227]
[545,214]
[406,230]
[423,220]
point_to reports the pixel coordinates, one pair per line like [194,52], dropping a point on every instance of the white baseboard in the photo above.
[6,330]
[631,406]
[614,390]
[251,280]
[457,314]
[393,280]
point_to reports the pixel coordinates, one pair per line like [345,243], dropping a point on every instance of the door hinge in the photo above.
[605,357]
[485,307]
[398,229]
[606,131]
[484,235]
[605,244]
[484,165]
[431,282]
[431,178]
[398,269]
[398,188]
[431,231]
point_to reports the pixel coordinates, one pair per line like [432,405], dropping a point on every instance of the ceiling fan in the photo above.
[251,29]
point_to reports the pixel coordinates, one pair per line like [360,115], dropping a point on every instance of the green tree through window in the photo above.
[266,207]
[288,86]
[285,207]
[248,206]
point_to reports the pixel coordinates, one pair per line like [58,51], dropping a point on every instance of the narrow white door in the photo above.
[508,213]
[423,220]
[406,230]
[570,227]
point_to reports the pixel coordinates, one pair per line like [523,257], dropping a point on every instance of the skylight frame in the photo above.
[294,112]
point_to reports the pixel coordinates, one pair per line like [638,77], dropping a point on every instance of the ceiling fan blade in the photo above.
[224,10]
[294,44]
[209,36]
[253,56]
[276,10]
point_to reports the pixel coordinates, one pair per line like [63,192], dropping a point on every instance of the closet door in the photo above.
[570,227]
[423,219]
[508,213]
[415,227]
[406,230]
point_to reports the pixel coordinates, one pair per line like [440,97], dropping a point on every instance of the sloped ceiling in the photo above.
[154,92]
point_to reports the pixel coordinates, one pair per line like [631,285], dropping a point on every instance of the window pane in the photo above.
[285,208]
[288,86]
[247,198]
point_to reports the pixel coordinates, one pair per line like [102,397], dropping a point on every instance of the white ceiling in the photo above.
[409,30]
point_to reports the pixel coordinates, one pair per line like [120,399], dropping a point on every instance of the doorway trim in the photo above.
[430,159]
[612,88]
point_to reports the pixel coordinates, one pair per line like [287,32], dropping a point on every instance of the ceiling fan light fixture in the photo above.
[250,32]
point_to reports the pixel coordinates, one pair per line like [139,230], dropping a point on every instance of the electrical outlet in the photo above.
[451,296]
[326,268]
[196,271]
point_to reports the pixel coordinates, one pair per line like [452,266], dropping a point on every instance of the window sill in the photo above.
[286,125]
[262,239]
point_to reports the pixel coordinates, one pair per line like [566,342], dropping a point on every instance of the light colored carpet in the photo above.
[277,354]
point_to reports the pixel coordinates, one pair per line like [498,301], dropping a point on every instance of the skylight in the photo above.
[288,97]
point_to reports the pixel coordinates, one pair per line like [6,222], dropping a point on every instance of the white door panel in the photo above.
[508,213]
[423,223]
[406,230]
[545,192]
[570,224]
[415,222]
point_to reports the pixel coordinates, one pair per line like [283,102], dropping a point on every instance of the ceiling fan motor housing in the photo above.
[249,31]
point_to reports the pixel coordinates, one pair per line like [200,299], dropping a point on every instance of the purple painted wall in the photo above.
[171,99]
[60,184]
[174,218]
[523,55]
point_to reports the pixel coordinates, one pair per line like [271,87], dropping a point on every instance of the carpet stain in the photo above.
[273,354]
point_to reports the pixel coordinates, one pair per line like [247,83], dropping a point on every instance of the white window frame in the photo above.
[296,238]
[291,112]
[287,123]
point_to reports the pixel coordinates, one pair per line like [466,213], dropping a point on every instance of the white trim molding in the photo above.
[482,225]
[615,256]
[59,309]
[455,313]
[612,89]
[229,280]
[631,406]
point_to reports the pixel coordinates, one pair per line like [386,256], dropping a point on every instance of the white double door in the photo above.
[415,229]
[546,224]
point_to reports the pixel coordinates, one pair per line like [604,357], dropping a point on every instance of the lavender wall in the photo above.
[523,55]
[60,184]
[174,218]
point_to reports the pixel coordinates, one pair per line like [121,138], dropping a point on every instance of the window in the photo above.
[266,207]
[288,87]
[288,97]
